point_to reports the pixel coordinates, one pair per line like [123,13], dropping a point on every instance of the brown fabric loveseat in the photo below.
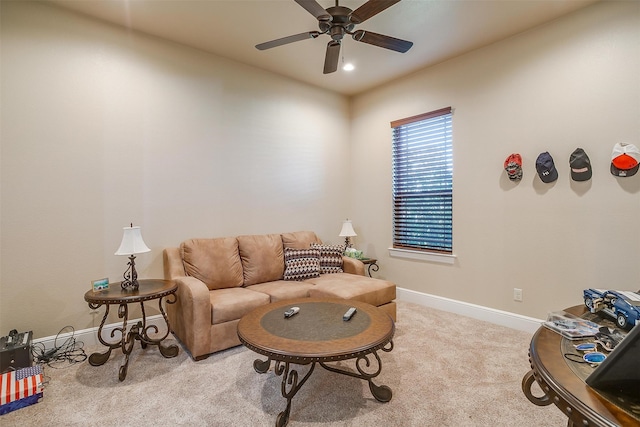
[222,279]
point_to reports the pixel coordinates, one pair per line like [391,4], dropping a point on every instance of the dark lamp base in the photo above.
[130,282]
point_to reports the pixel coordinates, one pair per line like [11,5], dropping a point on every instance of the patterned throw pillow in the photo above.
[300,264]
[330,258]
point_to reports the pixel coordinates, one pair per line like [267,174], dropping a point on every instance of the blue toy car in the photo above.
[624,306]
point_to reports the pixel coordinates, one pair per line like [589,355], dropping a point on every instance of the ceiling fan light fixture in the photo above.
[346,66]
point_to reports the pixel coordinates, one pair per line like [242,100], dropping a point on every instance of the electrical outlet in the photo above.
[517,294]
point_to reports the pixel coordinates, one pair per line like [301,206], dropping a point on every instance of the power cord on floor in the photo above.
[70,350]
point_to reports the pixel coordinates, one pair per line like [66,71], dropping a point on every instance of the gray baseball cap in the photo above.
[580,165]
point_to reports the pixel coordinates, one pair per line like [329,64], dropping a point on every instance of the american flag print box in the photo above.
[20,388]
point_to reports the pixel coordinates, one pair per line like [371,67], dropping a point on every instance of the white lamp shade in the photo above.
[132,242]
[347,229]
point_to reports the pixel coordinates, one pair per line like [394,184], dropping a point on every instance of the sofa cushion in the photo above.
[299,239]
[283,290]
[300,264]
[216,262]
[330,258]
[262,258]
[350,286]
[233,303]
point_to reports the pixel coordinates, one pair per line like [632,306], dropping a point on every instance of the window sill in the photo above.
[422,256]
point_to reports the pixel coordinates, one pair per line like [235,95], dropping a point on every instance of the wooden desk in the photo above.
[583,405]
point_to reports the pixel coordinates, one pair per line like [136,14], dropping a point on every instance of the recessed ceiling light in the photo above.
[348,66]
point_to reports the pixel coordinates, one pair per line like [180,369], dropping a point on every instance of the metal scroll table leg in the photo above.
[98,359]
[290,386]
[261,366]
[125,342]
[145,339]
[128,340]
[381,393]
[527,382]
[127,348]
[373,266]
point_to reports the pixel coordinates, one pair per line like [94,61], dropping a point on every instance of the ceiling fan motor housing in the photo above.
[339,25]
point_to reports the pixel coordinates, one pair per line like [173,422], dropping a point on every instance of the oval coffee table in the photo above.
[317,334]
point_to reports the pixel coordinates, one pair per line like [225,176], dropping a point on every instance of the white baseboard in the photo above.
[511,320]
[90,336]
[499,317]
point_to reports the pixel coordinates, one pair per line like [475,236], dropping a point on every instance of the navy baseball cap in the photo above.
[546,168]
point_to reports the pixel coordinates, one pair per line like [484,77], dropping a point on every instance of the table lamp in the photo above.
[131,244]
[347,232]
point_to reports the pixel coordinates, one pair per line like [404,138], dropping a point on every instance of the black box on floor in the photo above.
[15,351]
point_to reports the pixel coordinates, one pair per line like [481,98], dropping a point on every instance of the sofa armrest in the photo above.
[173,266]
[190,316]
[352,265]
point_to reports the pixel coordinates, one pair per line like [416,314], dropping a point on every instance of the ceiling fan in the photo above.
[337,21]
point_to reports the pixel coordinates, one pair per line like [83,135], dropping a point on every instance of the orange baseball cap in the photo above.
[625,159]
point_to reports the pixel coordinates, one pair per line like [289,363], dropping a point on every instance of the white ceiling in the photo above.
[439,29]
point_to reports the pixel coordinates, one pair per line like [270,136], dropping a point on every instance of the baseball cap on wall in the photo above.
[625,160]
[513,166]
[580,165]
[546,168]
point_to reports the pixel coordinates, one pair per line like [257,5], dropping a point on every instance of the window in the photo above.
[423,182]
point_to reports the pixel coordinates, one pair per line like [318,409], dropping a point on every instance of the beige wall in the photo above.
[101,128]
[572,83]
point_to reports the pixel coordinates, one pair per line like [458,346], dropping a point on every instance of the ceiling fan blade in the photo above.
[380,40]
[332,57]
[370,9]
[287,40]
[315,9]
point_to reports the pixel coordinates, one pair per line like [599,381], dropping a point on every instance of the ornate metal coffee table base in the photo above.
[292,383]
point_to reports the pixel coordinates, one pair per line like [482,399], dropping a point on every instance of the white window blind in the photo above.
[423,182]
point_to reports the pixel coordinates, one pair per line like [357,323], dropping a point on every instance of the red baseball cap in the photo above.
[513,166]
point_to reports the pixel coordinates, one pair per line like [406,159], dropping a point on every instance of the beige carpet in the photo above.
[444,371]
